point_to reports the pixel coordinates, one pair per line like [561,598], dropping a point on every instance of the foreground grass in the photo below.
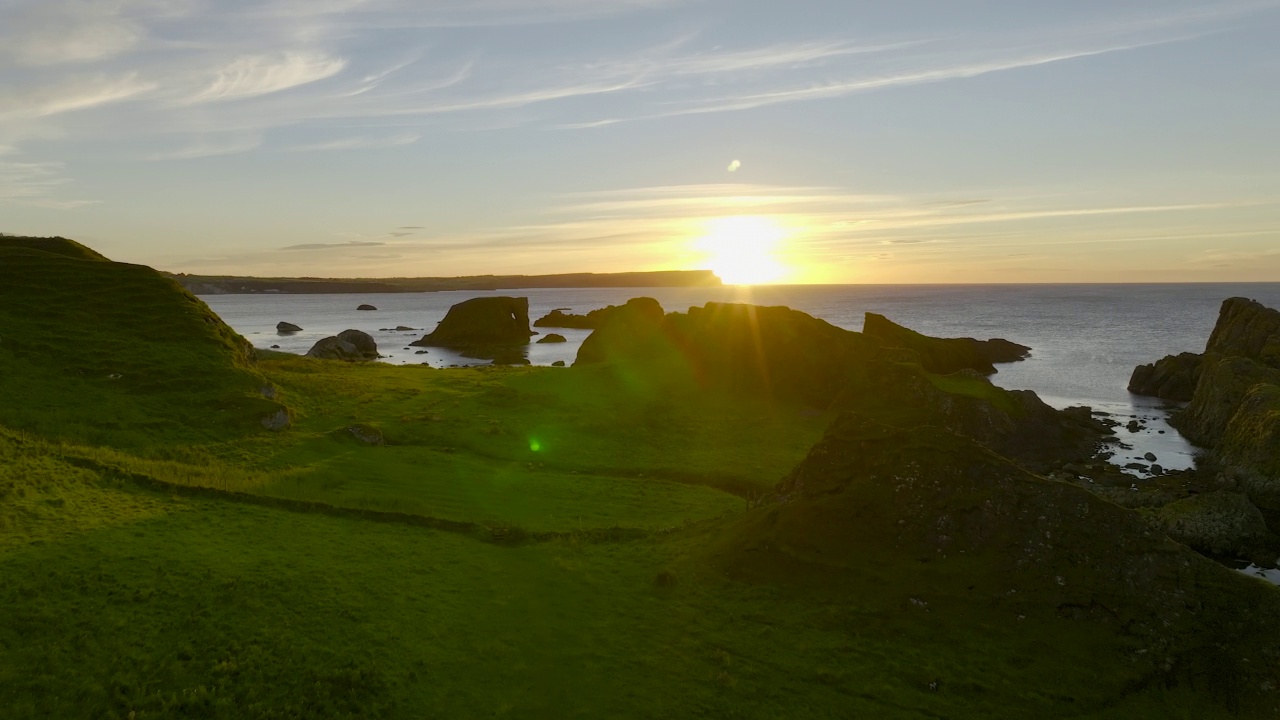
[127,602]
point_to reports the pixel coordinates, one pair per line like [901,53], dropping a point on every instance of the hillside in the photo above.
[98,351]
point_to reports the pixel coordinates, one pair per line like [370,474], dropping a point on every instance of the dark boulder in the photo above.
[631,328]
[483,327]
[1173,377]
[349,345]
[944,355]
[362,341]
[366,307]
[551,338]
[285,328]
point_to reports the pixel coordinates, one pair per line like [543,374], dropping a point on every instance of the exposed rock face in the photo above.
[1234,409]
[482,327]
[278,420]
[349,345]
[597,318]
[1220,523]
[551,338]
[1247,328]
[287,327]
[944,355]
[366,307]
[1173,377]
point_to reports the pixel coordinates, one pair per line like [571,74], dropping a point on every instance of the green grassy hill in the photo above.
[94,351]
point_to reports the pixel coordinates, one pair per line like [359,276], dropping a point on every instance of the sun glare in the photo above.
[743,250]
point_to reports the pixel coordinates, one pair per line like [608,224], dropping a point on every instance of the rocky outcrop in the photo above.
[558,318]
[550,338]
[366,307]
[348,345]
[483,327]
[935,516]
[1173,377]
[1218,523]
[944,355]
[1234,409]
[632,331]
[284,328]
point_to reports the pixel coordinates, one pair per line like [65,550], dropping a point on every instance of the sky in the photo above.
[829,141]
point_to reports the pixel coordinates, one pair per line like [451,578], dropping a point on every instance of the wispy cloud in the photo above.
[334,246]
[361,142]
[233,144]
[34,184]
[75,93]
[253,75]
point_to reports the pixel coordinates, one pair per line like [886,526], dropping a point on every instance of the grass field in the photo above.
[119,600]
[517,542]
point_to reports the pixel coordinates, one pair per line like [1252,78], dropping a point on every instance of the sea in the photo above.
[1085,339]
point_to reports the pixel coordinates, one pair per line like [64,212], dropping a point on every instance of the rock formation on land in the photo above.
[285,328]
[935,518]
[348,345]
[558,318]
[945,355]
[1234,408]
[784,354]
[1173,377]
[484,327]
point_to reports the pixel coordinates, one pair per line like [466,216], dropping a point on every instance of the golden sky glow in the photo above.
[743,250]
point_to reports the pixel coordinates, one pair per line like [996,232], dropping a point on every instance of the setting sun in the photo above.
[743,250]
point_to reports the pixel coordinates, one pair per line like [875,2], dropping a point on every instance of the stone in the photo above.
[483,327]
[1219,523]
[349,346]
[1172,378]
[558,363]
[285,328]
[366,307]
[551,338]
[1149,456]
[593,320]
[278,420]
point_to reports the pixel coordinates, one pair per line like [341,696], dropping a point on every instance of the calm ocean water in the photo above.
[1085,339]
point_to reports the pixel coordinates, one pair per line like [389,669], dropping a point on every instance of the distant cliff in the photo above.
[227,285]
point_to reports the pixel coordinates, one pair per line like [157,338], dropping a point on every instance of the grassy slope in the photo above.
[118,599]
[130,601]
[109,353]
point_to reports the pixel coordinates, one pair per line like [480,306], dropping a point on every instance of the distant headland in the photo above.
[231,285]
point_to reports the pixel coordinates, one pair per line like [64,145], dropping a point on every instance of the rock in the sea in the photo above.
[366,307]
[363,342]
[1218,523]
[1170,378]
[551,338]
[403,328]
[287,327]
[944,355]
[483,327]
[349,345]
[558,363]
[558,318]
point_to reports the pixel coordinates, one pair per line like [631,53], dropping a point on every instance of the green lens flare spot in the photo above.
[534,445]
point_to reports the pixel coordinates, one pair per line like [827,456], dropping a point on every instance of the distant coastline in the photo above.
[233,285]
